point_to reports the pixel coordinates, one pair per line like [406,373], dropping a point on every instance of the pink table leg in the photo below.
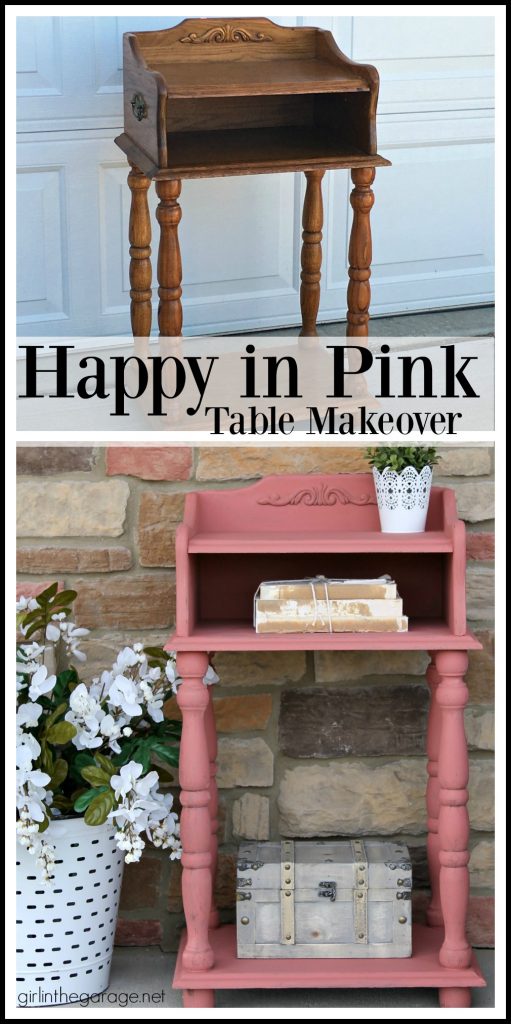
[453,823]
[209,720]
[198,998]
[455,998]
[434,911]
[192,697]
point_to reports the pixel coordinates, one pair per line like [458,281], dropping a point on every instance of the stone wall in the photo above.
[325,744]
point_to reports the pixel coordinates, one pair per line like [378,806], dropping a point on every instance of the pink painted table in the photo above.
[290,527]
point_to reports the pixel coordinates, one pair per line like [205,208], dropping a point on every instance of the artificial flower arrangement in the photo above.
[97,750]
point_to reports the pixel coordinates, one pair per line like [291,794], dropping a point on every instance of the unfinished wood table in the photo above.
[294,527]
[209,98]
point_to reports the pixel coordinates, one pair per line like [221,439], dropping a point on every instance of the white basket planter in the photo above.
[65,933]
[403,499]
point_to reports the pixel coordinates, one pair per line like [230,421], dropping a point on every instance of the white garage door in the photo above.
[432,219]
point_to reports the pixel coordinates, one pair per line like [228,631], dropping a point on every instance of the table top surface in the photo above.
[257,78]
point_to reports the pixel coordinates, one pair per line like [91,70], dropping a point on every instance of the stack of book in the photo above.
[322,605]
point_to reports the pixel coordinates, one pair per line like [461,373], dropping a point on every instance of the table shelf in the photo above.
[260,151]
[281,541]
[425,635]
[421,970]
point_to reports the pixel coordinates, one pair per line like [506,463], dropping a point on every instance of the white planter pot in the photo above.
[403,499]
[65,932]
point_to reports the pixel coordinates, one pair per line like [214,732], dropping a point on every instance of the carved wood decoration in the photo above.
[140,254]
[312,223]
[227,34]
[320,495]
[168,214]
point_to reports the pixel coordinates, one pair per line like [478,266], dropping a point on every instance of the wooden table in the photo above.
[296,527]
[209,98]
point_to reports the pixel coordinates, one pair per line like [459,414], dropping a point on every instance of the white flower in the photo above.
[82,703]
[112,730]
[26,604]
[123,693]
[41,683]
[154,702]
[30,745]
[128,775]
[127,658]
[52,632]
[28,658]
[72,636]
[86,715]
[171,675]
[211,676]
[28,714]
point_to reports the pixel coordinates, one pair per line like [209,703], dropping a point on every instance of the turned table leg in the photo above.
[434,911]
[360,253]
[210,724]
[194,779]
[312,223]
[168,215]
[455,998]
[140,254]
[453,822]
[198,998]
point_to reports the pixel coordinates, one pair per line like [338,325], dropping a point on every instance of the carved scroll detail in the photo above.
[227,34]
[323,494]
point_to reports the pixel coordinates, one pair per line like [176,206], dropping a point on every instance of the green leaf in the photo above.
[168,754]
[96,776]
[99,808]
[46,758]
[83,801]
[78,762]
[172,728]
[156,652]
[64,597]
[36,613]
[43,825]
[58,774]
[64,682]
[61,733]
[105,763]
[142,752]
[46,595]
[54,715]
[33,629]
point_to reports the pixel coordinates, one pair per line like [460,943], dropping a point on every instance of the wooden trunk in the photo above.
[324,898]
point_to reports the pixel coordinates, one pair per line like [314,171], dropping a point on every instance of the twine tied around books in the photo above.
[313,580]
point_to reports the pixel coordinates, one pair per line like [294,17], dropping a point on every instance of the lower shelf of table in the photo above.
[421,970]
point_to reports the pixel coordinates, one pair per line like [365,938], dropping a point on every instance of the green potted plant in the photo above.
[92,788]
[402,478]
